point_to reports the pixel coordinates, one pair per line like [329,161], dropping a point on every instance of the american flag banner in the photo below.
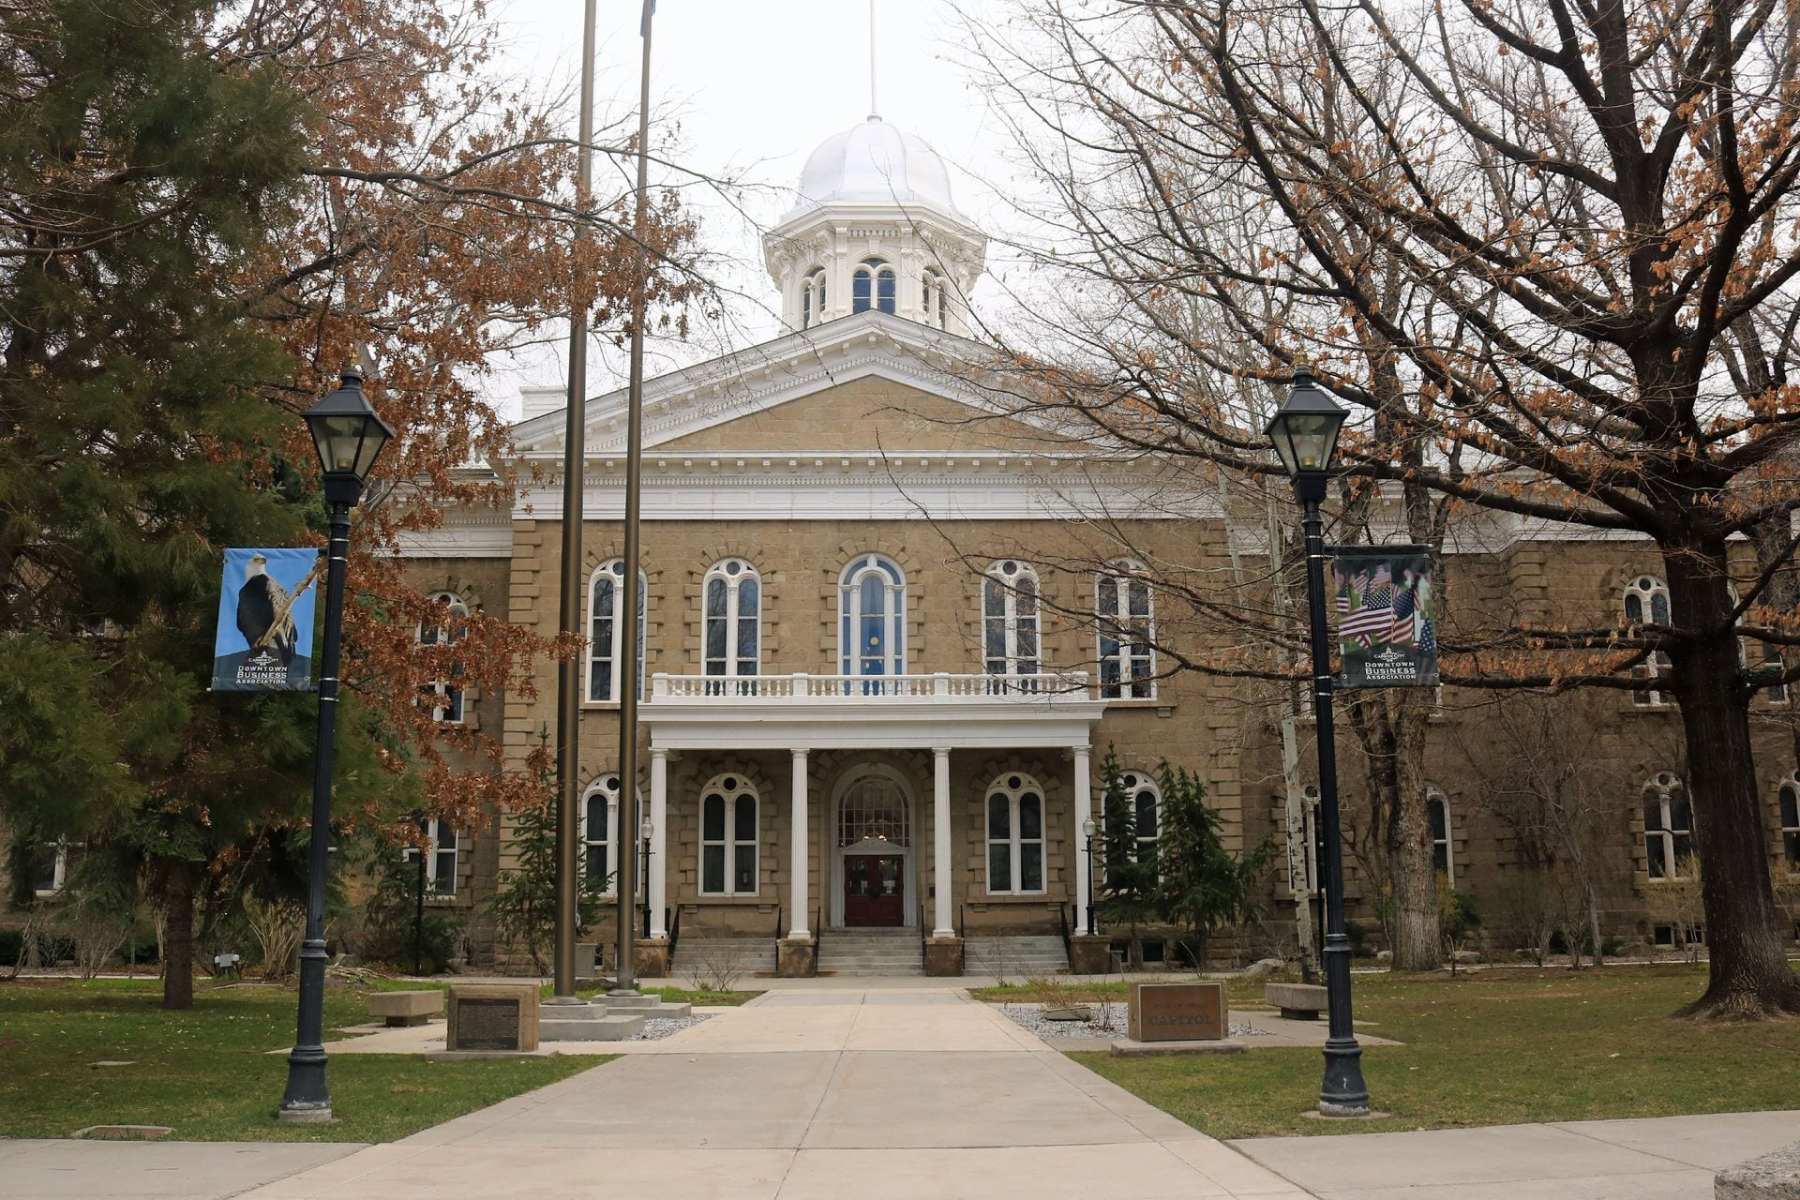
[1386,635]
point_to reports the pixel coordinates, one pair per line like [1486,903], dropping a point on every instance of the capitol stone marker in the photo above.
[1177,1012]
[493,1016]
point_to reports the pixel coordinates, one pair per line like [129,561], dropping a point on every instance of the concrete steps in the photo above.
[871,952]
[1023,957]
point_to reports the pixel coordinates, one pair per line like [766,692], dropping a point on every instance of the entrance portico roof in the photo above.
[822,712]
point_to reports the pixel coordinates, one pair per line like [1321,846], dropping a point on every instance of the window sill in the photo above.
[1012,898]
[750,900]
[1152,702]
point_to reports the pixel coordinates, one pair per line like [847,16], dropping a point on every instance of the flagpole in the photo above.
[631,679]
[572,614]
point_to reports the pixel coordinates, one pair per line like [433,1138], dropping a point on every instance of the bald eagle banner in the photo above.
[264,639]
[1387,621]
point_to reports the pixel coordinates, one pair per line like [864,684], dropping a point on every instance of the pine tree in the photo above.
[524,905]
[1127,885]
[1201,886]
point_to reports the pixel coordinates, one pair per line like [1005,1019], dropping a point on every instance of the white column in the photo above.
[659,839]
[1084,811]
[940,840]
[798,843]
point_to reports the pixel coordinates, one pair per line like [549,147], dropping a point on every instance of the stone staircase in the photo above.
[871,952]
[1024,957]
[702,957]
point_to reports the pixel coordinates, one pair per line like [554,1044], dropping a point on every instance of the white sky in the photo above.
[755,86]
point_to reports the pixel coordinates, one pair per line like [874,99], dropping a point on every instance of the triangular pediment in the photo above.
[865,383]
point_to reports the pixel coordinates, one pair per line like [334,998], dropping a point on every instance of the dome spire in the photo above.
[874,112]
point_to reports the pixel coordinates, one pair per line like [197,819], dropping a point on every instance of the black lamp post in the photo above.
[349,436]
[645,829]
[1305,433]
[1088,830]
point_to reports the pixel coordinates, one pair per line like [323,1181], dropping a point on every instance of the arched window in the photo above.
[1790,822]
[1766,657]
[728,837]
[933,300]
[49,865]
[1127,628]
[1015,836]
[732,598]
[606,630]
[871,618]
[1009,619]
[873,810]
[600,839]
[441,848]
[872,286]
[1437,811]
[1668,828]
[1647,603]
[442,696]
[812,298]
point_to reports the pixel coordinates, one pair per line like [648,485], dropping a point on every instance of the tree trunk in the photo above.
[1748,974]
[1418,944]
[178,941]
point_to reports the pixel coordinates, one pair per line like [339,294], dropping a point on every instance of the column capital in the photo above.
[799,751]
[1081,752]
[940,751]
[661,752]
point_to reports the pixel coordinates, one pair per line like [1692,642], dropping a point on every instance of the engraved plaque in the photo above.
[484,1024]
[1178,1012]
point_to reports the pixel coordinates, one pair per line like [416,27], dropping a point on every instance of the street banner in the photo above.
[1387,621]
[265,631]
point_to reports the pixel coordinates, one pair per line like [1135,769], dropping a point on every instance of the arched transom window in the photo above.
[732,596]
[1015,836]
[812,298]
[444,696]
[1668,828]
[872,286]
[728,837]
[606,626]
[1009,619]
[873,810]
[872,617]
[1126,620]
[1647,603]
[1437,813]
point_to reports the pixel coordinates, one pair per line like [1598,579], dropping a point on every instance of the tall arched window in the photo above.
[443,696]
[1015,836]
[1437,811]
[732,598]
[1647,603]
[1009,619]
[933,299]
[1668,828]
[600,839]
[1790,822]
[872,286]
[812,298]
[441,848]
[728,837]
[606,630]
[1127,628]
[871,617]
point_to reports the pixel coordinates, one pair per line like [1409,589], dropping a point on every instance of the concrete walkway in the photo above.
[876,1095]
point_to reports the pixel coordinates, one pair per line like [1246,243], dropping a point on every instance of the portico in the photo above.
[875,846]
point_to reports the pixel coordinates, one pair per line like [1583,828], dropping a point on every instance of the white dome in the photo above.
[874,163]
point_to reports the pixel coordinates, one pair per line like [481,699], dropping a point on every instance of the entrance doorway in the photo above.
[872,865]
[874,890]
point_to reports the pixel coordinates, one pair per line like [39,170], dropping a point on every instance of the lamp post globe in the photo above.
[349,436]
[1304,432]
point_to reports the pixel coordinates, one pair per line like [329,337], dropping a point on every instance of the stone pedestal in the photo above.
[588,1023]
[652,958]
[1090,955]
[1178,1012]
[794,958]
[493,1016]
[943,956]
[587,963]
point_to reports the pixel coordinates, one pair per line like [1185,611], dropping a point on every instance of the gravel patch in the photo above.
[1110,1023]
[657,1028]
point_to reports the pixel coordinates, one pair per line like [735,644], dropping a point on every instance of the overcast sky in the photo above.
[757,84]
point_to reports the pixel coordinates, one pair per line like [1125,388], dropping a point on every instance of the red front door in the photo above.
[874,892]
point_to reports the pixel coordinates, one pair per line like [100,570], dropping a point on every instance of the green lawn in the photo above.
[1493,1048]
[206,1072]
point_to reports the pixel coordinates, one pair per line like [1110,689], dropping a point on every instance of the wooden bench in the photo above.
[1297,1001]
[406,1008]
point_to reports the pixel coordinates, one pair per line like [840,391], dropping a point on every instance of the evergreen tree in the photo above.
[1127,885]
[1201,886]
[524,905]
